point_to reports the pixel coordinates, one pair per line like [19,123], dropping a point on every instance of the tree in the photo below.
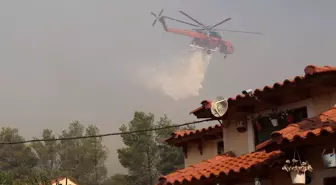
[171,158]
[47,153]
[96,155]
[118,179]
[18,159]
[146,156]
[8,178]
[139,155]
[82,159]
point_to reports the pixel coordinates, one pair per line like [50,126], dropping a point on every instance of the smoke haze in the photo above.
[179,78]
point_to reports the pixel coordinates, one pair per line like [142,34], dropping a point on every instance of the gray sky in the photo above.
[76,60]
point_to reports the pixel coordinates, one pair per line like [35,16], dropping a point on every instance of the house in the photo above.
[62,181]
[295,118]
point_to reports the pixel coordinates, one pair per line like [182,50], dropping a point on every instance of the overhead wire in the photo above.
[105,135]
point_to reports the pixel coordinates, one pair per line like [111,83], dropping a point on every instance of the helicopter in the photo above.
[207,38]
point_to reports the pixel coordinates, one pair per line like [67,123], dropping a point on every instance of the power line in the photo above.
[105,135]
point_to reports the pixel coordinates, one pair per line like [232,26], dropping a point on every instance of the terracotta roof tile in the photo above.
[219,165]
[185,133]
[264,144]
[206,104]
[309,70]
[324,122]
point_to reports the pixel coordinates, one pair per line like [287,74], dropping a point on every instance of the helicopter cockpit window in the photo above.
[216,34]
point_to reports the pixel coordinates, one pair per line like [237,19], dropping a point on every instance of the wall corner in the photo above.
[250,133]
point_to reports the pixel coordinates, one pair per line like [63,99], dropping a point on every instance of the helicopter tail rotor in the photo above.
[157,17]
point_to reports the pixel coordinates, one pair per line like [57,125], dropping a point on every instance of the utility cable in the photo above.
[105,135]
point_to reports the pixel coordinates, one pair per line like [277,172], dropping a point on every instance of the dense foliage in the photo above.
[83,159]
[145,155]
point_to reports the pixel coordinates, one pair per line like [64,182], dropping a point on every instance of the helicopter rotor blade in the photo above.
[193,19]
[199,29]
[160,13]
[155,18]
[238,31]
[190,24]
[220,23]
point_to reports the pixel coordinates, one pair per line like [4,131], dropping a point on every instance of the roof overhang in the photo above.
[225,168]
[317,130]
[182,138]
[317,81]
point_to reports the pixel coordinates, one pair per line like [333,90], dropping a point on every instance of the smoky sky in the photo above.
[76,60]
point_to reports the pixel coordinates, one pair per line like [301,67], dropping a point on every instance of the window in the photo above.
[299,114]
[264,127]
[220,147]
[329,181]
[216,34]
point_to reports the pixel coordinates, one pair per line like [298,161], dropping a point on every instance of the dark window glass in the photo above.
[266,128]
[220,147]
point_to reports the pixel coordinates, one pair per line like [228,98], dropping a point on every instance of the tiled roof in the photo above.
[60,179]
[220,165]
[57,180]
[264,144]
[206,104]
[309,70]
[53,181]
[324,122]
[180,134]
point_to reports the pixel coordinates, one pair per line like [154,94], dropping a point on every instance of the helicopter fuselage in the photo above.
[213,42]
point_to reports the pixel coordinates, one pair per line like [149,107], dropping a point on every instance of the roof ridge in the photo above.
[184,133]
[308,70]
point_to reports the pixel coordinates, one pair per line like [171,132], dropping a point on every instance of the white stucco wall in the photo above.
[314,106]
[235,141]
[242,143]
[194,156]
[63,182]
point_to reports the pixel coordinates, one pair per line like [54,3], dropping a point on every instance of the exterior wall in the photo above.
[63,182]
[323,103]
[243,143]
[235,141]
[194,155]
[308,102]
[250,134]
[263,182]
[314,106]
[313,156]
[333,100]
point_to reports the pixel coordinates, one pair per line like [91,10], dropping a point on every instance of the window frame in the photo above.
[296,119]
[220,147]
